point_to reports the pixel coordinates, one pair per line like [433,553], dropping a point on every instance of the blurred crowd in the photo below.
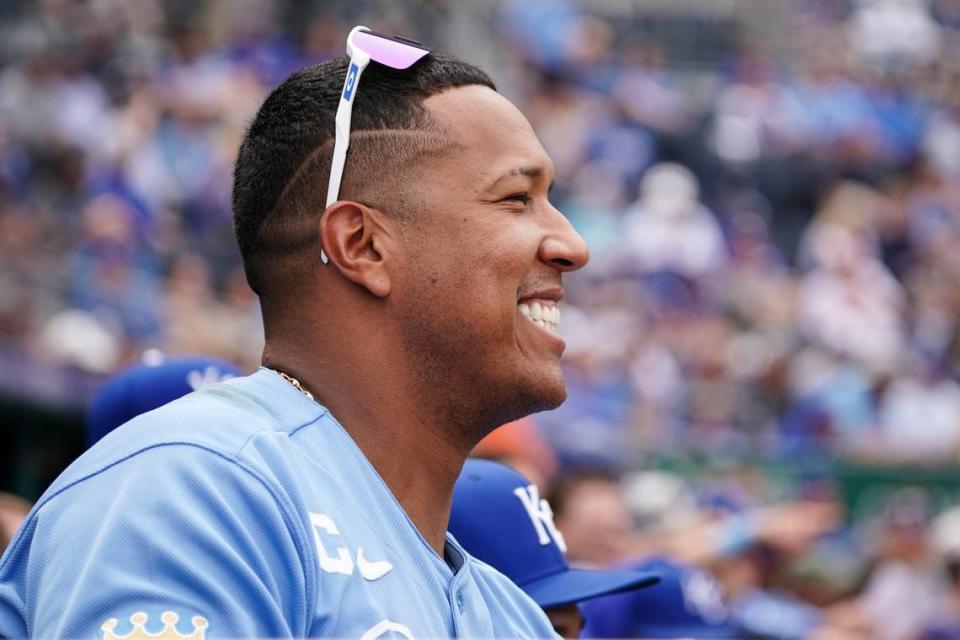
[775,256]
[774,232]
[786,571]
[775,274]
[747,557]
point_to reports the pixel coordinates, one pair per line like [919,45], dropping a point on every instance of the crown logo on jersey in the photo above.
[169,631]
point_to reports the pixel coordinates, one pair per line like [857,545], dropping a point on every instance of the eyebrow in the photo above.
[528,171]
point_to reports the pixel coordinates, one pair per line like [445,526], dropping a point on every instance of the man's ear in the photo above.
[356,239]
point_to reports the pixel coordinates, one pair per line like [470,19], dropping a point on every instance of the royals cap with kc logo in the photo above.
[499,517]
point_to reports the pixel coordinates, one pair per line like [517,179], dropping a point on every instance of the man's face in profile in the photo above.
[483,262]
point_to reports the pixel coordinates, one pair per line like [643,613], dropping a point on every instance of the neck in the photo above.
[418,456]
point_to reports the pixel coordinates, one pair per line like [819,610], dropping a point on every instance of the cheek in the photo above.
[469,271]
[443,299]
[465,308]
[461,278]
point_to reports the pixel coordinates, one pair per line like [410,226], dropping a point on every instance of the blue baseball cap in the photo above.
[145,386]
[687,603]
[499,518]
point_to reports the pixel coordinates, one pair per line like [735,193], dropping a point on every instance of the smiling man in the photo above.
[405,318]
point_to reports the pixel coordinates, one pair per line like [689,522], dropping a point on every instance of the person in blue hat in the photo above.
[686,603]
[149,384]
[499,518]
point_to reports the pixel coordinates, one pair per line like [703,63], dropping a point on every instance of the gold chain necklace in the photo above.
[296,383]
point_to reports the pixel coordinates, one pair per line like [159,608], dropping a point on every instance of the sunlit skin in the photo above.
[411,336]
[567,620]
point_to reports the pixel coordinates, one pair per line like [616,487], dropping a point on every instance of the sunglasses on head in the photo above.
[364,45]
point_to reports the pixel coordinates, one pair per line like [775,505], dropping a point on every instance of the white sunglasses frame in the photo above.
[359,59]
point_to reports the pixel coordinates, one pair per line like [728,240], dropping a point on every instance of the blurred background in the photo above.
[762,355]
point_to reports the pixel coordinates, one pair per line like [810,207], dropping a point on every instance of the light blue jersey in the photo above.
[242,510]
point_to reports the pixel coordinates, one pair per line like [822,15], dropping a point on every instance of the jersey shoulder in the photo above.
[186,495]
[222,418]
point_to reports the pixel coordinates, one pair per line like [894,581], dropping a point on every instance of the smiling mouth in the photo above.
[543,313]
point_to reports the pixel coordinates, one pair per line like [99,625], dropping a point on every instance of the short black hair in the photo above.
[282,169]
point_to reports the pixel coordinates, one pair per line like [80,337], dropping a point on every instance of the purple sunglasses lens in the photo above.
[392,53]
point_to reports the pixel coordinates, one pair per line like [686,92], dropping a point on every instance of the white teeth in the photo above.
[545,316]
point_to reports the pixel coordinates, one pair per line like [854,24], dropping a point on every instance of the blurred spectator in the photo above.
[891,31]
[590,511]
[850,302]
[499,517]
[687,602]
[145,386]
[944,539]
[905,590]
[77,339]
[668,229]
[920,416]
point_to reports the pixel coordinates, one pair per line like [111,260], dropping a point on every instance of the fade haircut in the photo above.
[283,166]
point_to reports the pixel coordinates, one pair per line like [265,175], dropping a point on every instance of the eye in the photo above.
[523,198]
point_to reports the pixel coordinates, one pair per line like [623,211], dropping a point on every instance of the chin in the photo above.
[544,392]
[519,397]
[555,395]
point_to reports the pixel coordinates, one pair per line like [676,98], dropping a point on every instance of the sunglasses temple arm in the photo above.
[342,140]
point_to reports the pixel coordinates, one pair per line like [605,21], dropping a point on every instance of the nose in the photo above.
[563,248]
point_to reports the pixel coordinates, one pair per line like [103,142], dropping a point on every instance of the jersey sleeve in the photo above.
[173,538]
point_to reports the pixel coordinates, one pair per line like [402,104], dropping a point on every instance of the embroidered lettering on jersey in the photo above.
[541,515]
[372,569]
[341,560]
